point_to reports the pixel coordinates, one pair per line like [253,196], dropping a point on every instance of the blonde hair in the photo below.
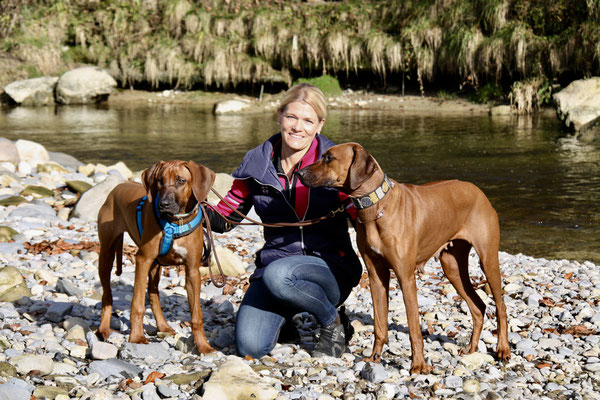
[307,93]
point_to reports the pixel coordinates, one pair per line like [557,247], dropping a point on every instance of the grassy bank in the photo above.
[511,49]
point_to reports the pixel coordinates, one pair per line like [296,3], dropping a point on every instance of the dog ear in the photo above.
[202,180]
[362,168]
[149,178]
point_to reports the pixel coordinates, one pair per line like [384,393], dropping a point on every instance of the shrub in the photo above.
[329,85]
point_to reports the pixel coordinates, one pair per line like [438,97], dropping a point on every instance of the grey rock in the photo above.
[374,372]
[89,203]
[103,350]
[231,106]
[10,391]
[84,85]
[114,368]
[32,362]
[58,310]
[168,390]
[66,160]
[32,92]
[578,103]
[153,350]
[68,288]
[40,211]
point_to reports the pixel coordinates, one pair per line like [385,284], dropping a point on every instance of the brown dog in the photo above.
[177,187]
[402,226]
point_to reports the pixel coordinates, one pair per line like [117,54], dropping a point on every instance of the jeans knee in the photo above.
[253,345]
[278,279]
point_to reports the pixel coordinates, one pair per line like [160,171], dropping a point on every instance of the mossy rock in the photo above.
[78,186]
[7,233]
[37,191]
[51,166]
[186,379]
[12,201]
[7,370]
[12,285]
[48,392]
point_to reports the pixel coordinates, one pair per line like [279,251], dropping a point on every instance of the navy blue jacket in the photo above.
[328,239]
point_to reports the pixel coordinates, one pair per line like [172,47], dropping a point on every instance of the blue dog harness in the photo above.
[170,230]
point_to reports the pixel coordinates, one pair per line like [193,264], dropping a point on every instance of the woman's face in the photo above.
[299,125]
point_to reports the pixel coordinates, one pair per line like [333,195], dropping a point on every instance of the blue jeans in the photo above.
[287,287]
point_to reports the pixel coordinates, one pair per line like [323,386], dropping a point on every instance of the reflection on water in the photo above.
[544,186]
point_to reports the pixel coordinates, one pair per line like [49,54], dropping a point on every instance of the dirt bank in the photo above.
[269,102]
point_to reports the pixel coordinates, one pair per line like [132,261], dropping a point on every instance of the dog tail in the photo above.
[119,252]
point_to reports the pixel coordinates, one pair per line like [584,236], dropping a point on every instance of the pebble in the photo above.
[47,338]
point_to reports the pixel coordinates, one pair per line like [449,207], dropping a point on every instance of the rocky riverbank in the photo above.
[50,296]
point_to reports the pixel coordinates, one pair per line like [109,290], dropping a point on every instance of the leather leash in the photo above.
[211,245]
[331,214]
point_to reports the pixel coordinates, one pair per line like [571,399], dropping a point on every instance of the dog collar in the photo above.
[375,196]
[170,230]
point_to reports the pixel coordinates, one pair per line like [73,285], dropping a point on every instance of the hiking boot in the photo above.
[348,328]
[289,333]
[332,341]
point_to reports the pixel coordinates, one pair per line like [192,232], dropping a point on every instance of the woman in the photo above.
[299,269]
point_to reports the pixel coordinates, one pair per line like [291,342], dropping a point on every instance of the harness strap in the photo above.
[170,230]
[139,214]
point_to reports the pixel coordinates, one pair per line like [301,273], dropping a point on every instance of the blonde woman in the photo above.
[299,269]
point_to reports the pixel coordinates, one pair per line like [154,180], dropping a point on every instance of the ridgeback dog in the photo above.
[401,226]
[173,191]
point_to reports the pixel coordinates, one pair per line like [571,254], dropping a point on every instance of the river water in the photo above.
[544,185]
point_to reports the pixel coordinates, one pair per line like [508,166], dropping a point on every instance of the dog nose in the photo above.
[300,173]
[165,203]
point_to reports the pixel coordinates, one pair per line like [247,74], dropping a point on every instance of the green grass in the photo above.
[329,85]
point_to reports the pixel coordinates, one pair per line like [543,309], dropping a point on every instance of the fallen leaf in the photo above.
[154,375]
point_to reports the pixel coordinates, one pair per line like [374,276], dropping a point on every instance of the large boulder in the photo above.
[32,92]
[578,104]
[248,384]
[89,203]
[84,85]
[8,151]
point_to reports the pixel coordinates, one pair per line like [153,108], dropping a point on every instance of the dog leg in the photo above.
[455,263]
[491,268]
[379,282]
[408,284]
[153,295]
[193,285]
[105,264]
[138,307]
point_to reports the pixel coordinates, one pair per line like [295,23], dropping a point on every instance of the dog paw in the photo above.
[103,334]
[138,340]
[421,369]
[504,354]
[374,358]
[205,348]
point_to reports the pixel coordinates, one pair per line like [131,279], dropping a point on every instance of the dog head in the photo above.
[177,185]
[345,167]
